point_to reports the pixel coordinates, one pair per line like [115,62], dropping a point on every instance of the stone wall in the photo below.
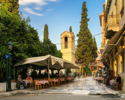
[3,86]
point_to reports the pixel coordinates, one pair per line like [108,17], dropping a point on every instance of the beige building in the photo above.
[114,32]
[68,46]
[102,24]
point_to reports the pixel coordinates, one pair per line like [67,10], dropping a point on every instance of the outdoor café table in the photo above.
[55,80]
[28,81]
[43,82]
[99,78]
[62,79]
[72,78]
[69,78]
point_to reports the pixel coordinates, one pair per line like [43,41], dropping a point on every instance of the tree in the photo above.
[87,70]
[25,38]
[85,41]
[94,49]
[13,5]
[3,50]
[70,29]
[68,71]
[46,33]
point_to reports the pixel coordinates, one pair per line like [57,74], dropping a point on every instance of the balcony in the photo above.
[112,25]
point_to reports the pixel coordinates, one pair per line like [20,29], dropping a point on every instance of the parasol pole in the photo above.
[48,69]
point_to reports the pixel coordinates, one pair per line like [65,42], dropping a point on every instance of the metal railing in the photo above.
[112,20]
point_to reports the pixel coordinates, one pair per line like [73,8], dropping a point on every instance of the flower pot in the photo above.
[12,80]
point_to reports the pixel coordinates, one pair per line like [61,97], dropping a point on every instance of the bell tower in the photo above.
[68,46]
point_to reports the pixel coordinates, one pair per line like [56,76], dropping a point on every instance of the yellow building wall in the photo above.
[69,52]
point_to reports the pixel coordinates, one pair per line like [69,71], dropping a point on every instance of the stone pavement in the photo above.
[80,86]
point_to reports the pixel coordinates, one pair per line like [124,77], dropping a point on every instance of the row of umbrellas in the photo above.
[48,61]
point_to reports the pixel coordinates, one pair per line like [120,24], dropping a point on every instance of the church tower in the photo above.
[68,46]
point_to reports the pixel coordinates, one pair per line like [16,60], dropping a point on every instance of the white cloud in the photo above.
[32,12]
[26,2]
[37,8]
[49,9]
[38,2]
[52,0]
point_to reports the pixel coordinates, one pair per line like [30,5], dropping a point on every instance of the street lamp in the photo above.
[10,45]
[8,77]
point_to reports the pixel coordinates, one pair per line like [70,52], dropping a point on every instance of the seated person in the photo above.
[118,81]
[30,78]
[21,81]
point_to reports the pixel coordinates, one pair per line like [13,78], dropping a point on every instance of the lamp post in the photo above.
[7,56]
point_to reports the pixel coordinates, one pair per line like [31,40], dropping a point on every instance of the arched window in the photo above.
[66,42]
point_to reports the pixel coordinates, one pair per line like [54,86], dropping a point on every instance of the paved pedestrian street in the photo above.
[80,86]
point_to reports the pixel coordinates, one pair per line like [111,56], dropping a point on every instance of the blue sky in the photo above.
[59,15]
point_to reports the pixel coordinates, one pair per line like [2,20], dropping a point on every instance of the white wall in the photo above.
[3,86]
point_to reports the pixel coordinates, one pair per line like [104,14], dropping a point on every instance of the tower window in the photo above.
[66,42]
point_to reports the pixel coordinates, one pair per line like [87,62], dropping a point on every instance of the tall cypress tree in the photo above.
[85,41]
[70,29]
[94,49]
[46,33]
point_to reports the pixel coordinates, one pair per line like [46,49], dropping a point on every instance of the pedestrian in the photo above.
[118,81]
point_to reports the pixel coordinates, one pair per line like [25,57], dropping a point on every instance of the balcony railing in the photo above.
[112,20]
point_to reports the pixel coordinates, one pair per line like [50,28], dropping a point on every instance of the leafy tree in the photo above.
[70,29]
[68,71]
[46,33]
[87,70]
[13,5]
[85,42]
[25,38]
[3,50]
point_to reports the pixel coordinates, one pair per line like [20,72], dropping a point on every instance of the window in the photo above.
[66,42]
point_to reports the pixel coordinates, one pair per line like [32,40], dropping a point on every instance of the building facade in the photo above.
[97,65]
[102,24]
[68,46]
[114,31]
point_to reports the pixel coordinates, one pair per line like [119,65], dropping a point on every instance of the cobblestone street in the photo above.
[80,86]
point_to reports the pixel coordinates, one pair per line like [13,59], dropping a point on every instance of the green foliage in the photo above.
[34,74]
[85,47]
[68,71]
[46,33]
[12,5]
[87,70]
[25,38]
[70,29]
[94,49]
[3,50]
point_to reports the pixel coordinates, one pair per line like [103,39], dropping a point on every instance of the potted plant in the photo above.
[12,80]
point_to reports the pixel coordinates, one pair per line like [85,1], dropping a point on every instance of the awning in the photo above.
[53,62]
[48,61]
[111,43]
